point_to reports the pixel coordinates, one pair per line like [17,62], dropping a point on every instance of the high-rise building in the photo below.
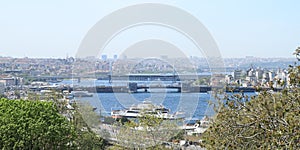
[115,57]
[104,57]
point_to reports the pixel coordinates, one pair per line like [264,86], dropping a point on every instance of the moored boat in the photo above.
[81,94]
[145,108]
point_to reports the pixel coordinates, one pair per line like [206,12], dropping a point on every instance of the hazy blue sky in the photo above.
[32,28]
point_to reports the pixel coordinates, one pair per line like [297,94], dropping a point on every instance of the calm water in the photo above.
[193,104]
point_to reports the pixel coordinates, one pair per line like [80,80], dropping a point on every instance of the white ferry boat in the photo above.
[145,108]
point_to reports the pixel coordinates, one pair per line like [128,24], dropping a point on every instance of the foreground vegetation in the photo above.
[267,121]
[28,124]
[33,125]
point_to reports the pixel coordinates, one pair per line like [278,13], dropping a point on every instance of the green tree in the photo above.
[267,121]
[33,125]
[148,131]
[85,116]
[86,121]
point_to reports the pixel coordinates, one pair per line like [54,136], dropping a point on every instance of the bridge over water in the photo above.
[128,77]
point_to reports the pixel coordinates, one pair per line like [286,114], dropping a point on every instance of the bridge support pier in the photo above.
[179,90]
[132,87]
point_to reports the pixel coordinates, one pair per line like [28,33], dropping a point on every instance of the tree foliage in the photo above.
[148,131]
[267,121]
[33,125]
[36,124]
[84,116]
[85,120]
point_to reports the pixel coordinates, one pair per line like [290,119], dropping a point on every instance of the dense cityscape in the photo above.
[22,73]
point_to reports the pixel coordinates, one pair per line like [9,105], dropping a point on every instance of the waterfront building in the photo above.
[271,75]
[266,76]
[237,74]
[259,74]
[228,79]
[250,78]
[250,72]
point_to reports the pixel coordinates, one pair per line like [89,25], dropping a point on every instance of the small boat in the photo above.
[81,94]
[144,108]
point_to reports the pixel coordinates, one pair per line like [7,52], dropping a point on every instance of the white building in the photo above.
[259,74]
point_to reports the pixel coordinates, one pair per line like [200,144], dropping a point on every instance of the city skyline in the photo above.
[55,29]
